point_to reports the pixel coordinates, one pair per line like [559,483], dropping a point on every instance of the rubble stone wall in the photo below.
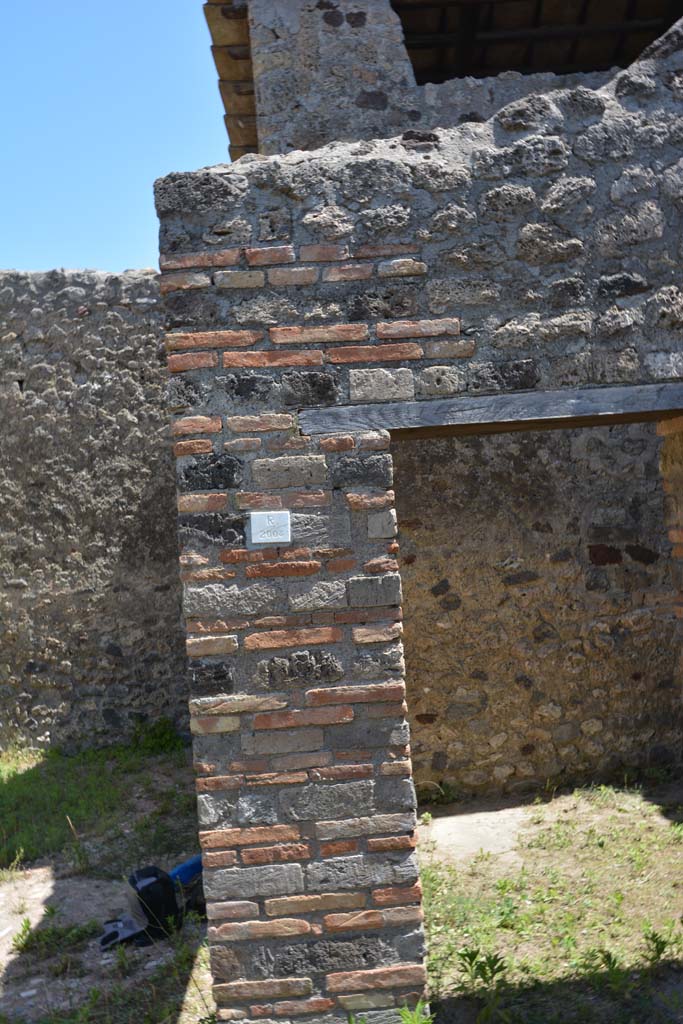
[541,644]
[90,639]
[339,71]
[536,250]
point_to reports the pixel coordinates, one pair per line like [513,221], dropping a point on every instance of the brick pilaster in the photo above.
[306,804]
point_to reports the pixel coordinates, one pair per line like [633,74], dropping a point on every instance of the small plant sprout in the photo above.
[656,945]
[20,940]
[418,1014]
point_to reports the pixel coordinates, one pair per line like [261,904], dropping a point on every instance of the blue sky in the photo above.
[98,100]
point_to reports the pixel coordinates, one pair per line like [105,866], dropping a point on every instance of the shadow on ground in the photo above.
[71,830]
[62,877]
[615,996]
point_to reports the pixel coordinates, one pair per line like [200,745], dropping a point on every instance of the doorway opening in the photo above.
[542,644]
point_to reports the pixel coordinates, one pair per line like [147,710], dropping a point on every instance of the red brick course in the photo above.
[292,638]
[272,569]
[179,363]
[196,447]
[215,258]
[296,719]
[197,425]
[374,353]
[230,837]
[418,328]
[212,339]
[318,335]
[379,978]
[263,359]
[266,255]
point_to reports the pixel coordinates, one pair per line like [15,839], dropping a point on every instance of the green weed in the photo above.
[49,799]
[47,941]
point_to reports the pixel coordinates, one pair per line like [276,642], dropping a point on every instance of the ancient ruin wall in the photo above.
[123,673]
[89,599]
[339,71]
[541,645]
[537,250]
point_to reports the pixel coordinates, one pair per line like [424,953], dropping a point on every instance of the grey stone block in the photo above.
[289,471]
[312,387]
[216,599]
[377,664]
[381,385]
[257,809]
[214,810]
[313,530]
[368,733]
[210,473]
[376,825]
[299,668]
[369,471]
[387,1016]
[304,597]
[395,794]
[392,869]
[411,946]
[374,591]
[198,531]
[441,380]
[303,959]
[318,801]
[382,524]
[283,741]
[216,749]
[272,880]
[360,872]
[337,873]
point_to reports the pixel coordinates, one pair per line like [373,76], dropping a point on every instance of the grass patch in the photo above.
[49,800]
[49,940]
[586,928]
[175,992]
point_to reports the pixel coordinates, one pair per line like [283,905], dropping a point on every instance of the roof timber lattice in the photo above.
[229,28]
[449,39]
[456,38]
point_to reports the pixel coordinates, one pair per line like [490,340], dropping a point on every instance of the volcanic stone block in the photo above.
[374,591]
[359,872]
[210,473]
[316,802]
[239,883]
[373,470]
[381,385]
[304,597]
[322,957]
[289,471]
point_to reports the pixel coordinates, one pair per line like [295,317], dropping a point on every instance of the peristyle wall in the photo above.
[540,639]
[90,610]
[537,250]
[561,496]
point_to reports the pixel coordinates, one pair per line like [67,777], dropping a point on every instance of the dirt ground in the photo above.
[481,844]
[29,989]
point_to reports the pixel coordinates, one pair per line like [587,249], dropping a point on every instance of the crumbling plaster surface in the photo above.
[339,70]
[540,639]
[91,638]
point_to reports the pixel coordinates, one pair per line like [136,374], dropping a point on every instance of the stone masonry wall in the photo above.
[539,248]
[541,643]
[123,673]
[90,643]
[339,71]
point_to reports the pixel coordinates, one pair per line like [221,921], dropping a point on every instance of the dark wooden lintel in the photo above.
[486,414]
